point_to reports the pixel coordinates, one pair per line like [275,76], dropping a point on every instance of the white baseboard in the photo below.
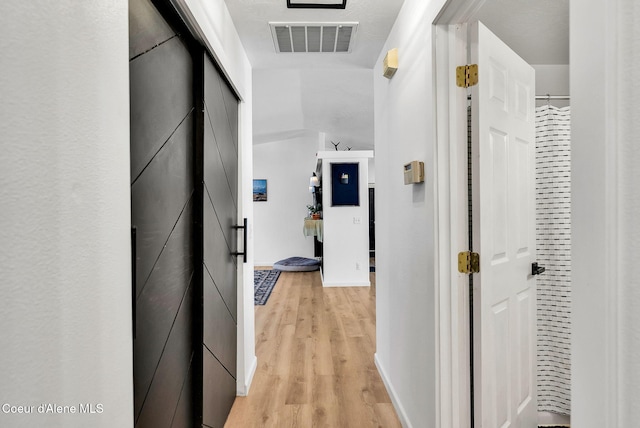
[402,414]
[363,283]
[263,264]
[347,284]
[243,390]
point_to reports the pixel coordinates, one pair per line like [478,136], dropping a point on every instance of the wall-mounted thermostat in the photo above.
[414,172]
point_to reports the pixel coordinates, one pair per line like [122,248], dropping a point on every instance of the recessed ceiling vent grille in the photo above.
[313,37]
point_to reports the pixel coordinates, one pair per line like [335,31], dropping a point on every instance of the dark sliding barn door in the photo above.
[162,196]
[184,204]
[220,172]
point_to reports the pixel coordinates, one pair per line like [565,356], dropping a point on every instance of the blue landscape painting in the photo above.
[259,190]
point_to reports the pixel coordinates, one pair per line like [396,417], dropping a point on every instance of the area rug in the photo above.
[263,283]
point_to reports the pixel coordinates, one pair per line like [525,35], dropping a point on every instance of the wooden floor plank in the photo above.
[315,351]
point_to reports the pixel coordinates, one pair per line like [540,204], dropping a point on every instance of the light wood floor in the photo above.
[315,351]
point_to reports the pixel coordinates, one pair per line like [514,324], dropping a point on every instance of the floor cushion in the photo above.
[297,264]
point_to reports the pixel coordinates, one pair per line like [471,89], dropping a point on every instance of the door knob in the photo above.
[537,270]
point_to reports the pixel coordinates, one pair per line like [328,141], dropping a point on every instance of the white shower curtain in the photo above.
[553,239]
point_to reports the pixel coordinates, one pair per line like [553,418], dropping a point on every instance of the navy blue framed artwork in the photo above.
[344,184]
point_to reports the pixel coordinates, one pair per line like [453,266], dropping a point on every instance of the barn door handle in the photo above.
[537,270]
[243,253]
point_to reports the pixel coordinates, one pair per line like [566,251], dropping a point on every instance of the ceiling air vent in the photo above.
[304,37]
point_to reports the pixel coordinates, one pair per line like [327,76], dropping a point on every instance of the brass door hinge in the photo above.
[468,262]
[467,75]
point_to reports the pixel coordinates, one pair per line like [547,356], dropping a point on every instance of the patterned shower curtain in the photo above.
[553,238]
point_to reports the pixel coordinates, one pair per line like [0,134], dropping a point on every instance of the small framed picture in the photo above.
[259,190]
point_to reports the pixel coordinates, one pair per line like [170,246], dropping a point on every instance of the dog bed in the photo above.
[297,264]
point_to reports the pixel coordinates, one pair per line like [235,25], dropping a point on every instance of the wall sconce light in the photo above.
[344,178]
[313,183]
[390,64]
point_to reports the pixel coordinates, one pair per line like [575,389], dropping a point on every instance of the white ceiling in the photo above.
[538,30]
[301,103]
[302,94]
[252,17]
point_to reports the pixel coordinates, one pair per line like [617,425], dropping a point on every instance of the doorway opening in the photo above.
[553,80]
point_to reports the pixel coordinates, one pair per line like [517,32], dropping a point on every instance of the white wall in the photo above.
[605,201]
[345,241]
[628,156]
[211,22]
[65,220]
[405,218]
[291,103]
[589,234]
[287,166]
[277,104]
[605,208]
[65,226]
[552,80]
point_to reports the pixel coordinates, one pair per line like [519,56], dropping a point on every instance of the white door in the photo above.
[503,132]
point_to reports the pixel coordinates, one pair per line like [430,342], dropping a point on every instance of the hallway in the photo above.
[315,351]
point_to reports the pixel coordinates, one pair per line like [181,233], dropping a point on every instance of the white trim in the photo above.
[243,390]
[346,284]
[402,414]
[460,230]
[246,308]
[452,315]
[345,154]
[601,392]
[458,11]
[445,333]
[213,46]
[613,203]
